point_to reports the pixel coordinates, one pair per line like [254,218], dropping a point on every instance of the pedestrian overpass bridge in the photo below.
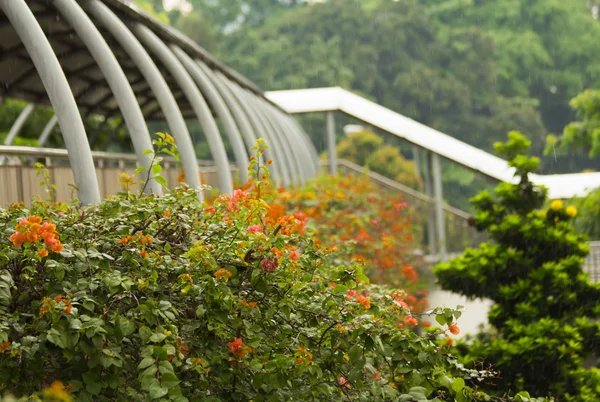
[108,58]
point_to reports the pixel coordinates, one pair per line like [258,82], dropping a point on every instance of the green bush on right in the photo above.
[544,329]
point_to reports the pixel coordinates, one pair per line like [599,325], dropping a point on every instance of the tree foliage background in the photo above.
[474,69]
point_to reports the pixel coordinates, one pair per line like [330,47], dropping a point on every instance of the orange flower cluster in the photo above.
[48,303]
[303,356]
[248,304]
[140,239]
[4,346]
[363,300]
[453,327]
[238,348]
[58,392]
[290,224]
[222,273]
[354,209]
[31,230]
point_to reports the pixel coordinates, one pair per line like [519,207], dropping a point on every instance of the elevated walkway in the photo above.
[340,100]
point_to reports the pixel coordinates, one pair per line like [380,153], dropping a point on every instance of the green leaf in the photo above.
[145,334]
[458,385]
[354,353]
[440,319]
[157,338]
[126,326]
[169,380]
[162,181]
[340,289]
[58,338]
[146,362]
[155,390]
[156,169]
[139,170]
[75,324]
[419,393]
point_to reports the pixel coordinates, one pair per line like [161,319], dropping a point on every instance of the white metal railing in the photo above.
[592,262]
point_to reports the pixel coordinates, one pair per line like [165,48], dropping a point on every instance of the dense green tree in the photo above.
[368,149]
[544,320]
[393,53]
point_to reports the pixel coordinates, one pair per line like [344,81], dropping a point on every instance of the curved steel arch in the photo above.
[247,123]
[156,81]
[213,97]
[60,95]
[307,160]
[299,152]
[256,120]
[97,77]
[116,79]
[17,126]
[192,93]
[292,165]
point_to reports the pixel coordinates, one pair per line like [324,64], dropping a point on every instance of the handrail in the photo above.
[208,166]
[38,152]
[397,186]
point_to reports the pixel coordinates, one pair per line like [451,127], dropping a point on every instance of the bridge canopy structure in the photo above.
[109,58]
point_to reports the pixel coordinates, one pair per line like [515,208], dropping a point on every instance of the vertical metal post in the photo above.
[116,79]
[16,128]
[61,97]
[331,152]
[439,210]
[431,208]
[417,161]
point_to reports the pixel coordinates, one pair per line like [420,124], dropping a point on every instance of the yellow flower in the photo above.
[556,205]
[571,211]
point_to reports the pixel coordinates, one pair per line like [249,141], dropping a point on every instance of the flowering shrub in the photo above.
[359,221]
[166,298]
[545,313]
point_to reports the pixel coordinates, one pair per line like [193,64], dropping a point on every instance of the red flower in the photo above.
[351,293]
[238,348]
[254,229]
[269,264]
[343,382]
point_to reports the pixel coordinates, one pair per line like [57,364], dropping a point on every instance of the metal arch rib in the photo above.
[307,161]
[214,99]
[17,126]
[256,120]
[241,119]
[48,128]
[248,126]
[203,114]
[301,153]
[268,132]
[296,173]
[309,144]
[155,81]
[60,95]
[116,79]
